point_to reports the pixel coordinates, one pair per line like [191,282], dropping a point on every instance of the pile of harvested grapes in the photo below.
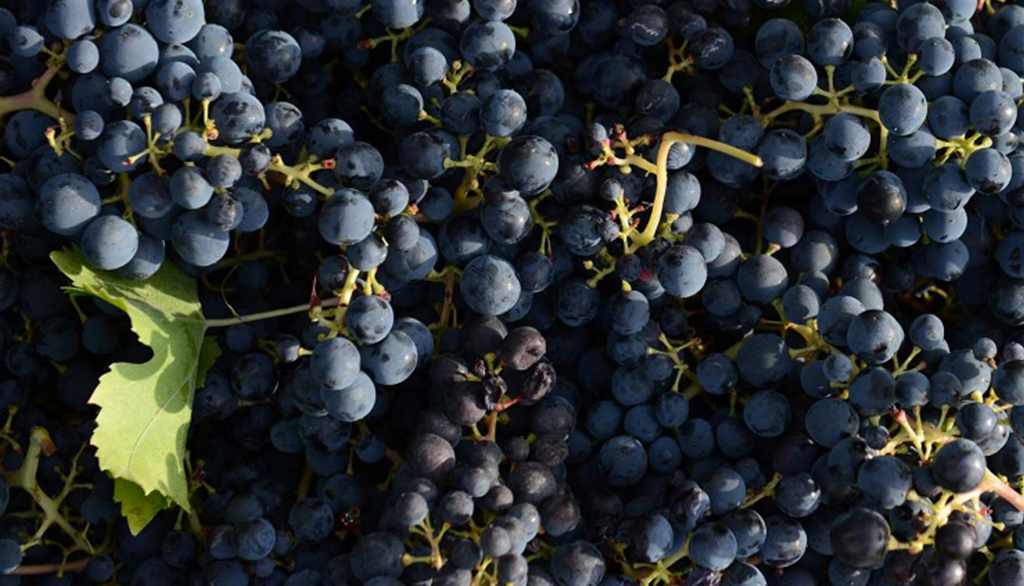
[512,293]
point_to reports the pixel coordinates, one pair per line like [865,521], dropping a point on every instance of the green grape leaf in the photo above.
[145,409]
[137,507]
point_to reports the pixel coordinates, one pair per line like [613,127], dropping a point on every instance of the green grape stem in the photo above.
[26,479]
[660,169]
[659,572]
[242,319]
[35,98]
[436,559]
[292,174]
[344,297]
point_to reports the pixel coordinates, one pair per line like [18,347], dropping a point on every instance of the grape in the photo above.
[948,117]
[503,113]
[767,414]
[975,77]
[206,86]
[311,520]
[742,574]
[947,188]
[556,17]
[1008,566]
[401,105]
[494,9]
[713,546]
[487,45]
[397,13]
[109,242]
[223,171]
[868,75]
[507,220]
[917,23]
[129,51]
[528,164]
[784,154]
[860,538]
[762,279]
[777,38]
[428,65]
[238,117]
[874,336]
[793,77]
[10,555]
[119,143]
[346,218]
[798,495]
[712,48]
[422,154]
[460,114]
[284,120]
[254,539]
[993,112]
[67,203]
[255,209]
[69,20]
[937,56]
[886,480]
[717,373]
[212,40]
[988,171]
[785,542]
[961,468]
[902,109]
[198,241]
[352,402]
[83,56]
[119,92]
[748,528]
[392,360]
[682,271]
[336,362]
[174,21]
[25,41]
[166,120]
[830,42]
[489,285]
[913,151]
[369,319]
[829,420]
[189,188]
[847,137]
[147,260]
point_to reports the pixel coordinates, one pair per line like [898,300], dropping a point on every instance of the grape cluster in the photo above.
[525,292]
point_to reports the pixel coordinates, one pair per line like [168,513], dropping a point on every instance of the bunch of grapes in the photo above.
[524,292]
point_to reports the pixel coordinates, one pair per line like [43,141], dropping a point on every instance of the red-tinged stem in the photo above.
[993,483]
[503,406]
[47,569]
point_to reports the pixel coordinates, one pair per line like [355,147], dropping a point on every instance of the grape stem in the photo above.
[54,568]
[35,98]
[233,321]
[993,483]
[667,140]
[342,300]
[292,175]
[25,478]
